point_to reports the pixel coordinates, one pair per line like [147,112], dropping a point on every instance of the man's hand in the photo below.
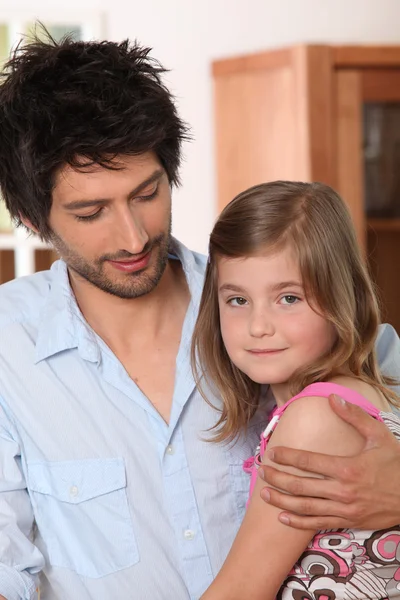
[361,492]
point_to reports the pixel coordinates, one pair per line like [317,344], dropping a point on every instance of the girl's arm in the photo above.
[359,493]
[265,550]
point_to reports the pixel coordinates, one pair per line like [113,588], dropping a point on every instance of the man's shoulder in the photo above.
[388,352]
[200,260]
[192,260]
[24,297]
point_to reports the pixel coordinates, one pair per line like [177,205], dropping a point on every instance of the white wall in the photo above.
[188,34]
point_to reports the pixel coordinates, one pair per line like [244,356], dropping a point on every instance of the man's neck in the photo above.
[118,320]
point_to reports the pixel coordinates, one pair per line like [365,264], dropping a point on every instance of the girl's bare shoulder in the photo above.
[310,424]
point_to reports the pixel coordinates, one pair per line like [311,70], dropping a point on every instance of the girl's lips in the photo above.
[131,266]
[253,351]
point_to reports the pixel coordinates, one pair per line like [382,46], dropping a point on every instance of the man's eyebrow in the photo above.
[77,204]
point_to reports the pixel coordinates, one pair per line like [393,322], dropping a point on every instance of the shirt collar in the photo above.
[62,325]
[194,265]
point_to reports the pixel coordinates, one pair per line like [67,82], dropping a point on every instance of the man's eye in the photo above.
[150,196]
[89,217]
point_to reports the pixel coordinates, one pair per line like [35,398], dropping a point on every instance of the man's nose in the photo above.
[132,235]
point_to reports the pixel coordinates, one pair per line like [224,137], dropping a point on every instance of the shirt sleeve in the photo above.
[388,351]
[20,560]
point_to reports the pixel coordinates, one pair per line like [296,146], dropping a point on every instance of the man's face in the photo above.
[113,227]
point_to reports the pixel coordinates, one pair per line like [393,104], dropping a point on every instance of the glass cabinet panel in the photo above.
[381,132]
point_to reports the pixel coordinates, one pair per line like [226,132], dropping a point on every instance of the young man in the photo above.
[108,485]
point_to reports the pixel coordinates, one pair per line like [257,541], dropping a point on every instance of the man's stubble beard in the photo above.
[136,284]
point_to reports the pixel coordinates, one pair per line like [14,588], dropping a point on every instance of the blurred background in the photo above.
[315,110]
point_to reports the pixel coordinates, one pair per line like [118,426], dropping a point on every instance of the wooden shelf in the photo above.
[384,224]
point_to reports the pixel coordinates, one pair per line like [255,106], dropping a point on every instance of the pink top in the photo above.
[346,564]
[323,389]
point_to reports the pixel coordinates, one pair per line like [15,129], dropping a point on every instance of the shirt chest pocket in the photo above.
[82,514]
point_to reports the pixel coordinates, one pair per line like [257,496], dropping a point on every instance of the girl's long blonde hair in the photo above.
[314,221]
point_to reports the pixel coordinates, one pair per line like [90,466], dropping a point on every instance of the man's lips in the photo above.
[132,265]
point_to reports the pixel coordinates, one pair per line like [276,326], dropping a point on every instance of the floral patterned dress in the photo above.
[347,564]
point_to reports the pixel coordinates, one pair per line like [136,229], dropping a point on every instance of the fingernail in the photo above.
[266,495]
[284,519]
[270,454]
[261,474]
[339,400]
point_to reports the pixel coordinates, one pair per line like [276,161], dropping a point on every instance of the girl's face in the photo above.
[268,327]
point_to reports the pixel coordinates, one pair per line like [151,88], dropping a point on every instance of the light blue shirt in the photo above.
[99,497]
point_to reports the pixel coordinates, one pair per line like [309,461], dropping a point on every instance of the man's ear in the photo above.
[28,224]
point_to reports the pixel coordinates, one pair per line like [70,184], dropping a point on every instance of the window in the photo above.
[15,26]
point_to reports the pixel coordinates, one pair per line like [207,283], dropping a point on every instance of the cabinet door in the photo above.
[349,167]
[367,123]
[273,118]
[256,130]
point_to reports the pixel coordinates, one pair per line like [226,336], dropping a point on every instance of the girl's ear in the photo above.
[28,224]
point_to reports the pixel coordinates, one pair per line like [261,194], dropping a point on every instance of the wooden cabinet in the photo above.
[41,259]
[303,113]
[20,254]
[7,268]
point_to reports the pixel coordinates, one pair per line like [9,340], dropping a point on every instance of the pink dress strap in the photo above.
[325,389]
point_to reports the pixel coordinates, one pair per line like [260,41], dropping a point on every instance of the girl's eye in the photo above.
[89,217]
[238,301]
[289,299]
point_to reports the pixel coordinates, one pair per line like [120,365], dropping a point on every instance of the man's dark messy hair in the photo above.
[79,104]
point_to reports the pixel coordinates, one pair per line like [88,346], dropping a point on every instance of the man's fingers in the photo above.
[371,429]
[305,506]
[335,467]
[312,523]
[306,486]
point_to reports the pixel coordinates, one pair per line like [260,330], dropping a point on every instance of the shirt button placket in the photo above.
[185,516]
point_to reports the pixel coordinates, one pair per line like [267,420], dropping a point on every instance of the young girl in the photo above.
[288,302]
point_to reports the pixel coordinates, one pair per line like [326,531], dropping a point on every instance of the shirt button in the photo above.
[170,449]
[188,534]
[73,490]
